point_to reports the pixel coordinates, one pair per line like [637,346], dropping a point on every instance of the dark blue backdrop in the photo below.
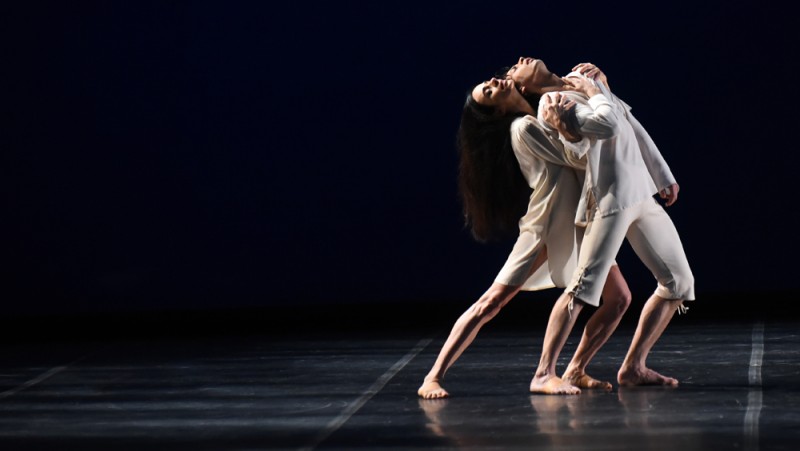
[210,154]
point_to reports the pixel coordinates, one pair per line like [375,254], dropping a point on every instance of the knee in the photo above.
[622,301]
[488,305]
[618,304]
[619,300]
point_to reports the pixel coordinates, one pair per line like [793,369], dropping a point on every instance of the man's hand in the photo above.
[554,113]
[670,194]
[581,85]
[592,71]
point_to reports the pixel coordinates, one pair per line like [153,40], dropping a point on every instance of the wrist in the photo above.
[593,91]
[569,136]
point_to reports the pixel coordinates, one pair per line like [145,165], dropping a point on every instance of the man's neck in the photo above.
[555,83]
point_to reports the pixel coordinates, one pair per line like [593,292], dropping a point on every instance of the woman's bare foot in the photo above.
[553,385]
[433,411]
[583,380]
[432,390]
[644,376]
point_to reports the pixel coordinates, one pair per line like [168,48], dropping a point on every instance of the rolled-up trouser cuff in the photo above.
[687,294]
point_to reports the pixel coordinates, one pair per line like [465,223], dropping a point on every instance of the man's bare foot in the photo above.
[552,412]
[553,385]
[432,390]
[583,380]
[644,376]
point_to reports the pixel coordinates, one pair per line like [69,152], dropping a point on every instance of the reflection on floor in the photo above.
[739,390]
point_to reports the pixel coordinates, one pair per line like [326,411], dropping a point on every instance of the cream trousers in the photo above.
[653,237]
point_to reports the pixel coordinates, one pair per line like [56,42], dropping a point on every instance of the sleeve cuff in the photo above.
[597,100]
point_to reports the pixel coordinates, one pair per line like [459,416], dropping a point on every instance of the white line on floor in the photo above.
[38,379]
[757,354]
[337,422]
[754,396]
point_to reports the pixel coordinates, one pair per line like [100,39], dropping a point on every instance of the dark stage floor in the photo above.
[740,390]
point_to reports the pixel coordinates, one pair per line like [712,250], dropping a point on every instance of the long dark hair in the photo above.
[494,193]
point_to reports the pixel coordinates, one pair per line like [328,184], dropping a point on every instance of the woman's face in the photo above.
[530,75]
[498,94]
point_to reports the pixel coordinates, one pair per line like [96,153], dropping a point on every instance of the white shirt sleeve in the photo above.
[656,165]
[528,134]
[599,120]
[578,148]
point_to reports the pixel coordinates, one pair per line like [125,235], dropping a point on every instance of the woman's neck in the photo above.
[527,109]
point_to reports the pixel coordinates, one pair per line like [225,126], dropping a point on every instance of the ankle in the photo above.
[543,374]
[573,370]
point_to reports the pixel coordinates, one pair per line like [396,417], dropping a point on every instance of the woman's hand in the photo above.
[554,113]
[591,71]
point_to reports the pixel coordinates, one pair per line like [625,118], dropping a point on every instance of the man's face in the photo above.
[529,75]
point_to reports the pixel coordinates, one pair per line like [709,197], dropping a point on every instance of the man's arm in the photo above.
[598,119]
[656,165]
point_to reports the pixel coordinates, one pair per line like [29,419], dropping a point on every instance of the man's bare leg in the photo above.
[603,322]
[656,314]
[562,319]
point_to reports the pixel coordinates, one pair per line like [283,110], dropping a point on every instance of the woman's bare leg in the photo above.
[602,323]
[465,330]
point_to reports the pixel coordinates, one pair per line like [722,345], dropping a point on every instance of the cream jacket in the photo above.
[568,183]
[624,166]
[556,178]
